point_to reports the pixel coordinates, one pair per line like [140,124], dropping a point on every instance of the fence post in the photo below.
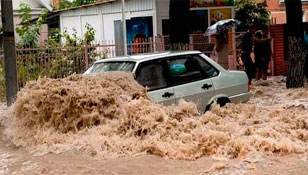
[191,42]
[151,44]
[86,56]
[163,43]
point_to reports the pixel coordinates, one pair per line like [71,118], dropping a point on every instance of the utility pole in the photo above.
[9,51]
[124,28]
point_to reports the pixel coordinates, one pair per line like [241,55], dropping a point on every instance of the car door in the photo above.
[192,83]
[153,76]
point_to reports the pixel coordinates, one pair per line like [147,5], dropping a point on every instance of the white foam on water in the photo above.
[110,116]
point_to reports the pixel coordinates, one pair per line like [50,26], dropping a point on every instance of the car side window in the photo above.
[152,76]
[206,67]
[184,69]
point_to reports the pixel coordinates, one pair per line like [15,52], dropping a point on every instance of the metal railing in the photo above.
[60,61]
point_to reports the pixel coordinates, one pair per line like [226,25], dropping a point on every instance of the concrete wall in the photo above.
[162,11]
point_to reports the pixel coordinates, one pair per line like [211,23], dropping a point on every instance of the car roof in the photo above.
[147,56]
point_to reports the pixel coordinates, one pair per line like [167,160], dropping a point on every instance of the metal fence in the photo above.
[61,61]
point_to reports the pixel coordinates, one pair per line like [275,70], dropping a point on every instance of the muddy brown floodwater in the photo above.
[106,124]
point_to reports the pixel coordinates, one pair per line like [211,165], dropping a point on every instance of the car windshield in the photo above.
[111,66]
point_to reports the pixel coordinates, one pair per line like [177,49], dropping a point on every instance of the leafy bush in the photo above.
[54,60]
[67,4]
[28,31]
[55,36]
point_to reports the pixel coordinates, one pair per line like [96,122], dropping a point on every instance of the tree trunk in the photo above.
[297,45]
[297,57]
[179,11]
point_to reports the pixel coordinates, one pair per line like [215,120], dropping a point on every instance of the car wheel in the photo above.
[221,101]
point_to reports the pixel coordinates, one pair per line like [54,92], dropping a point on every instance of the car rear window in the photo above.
[111,66]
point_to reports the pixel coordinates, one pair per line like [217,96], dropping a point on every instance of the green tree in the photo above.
[28,31]
[89,35]
[249,11]
[67,4]
[55,36]
[71,40]
[82,2]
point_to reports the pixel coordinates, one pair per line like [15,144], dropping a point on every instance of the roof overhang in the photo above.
[46,4]
[88,5]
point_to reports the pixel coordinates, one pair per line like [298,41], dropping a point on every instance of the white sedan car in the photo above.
[189,75]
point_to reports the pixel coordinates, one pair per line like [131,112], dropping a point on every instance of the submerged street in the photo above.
[270,98]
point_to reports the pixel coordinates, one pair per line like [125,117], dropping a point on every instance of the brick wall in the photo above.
[280,66]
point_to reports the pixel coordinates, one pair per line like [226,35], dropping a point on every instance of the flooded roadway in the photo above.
[18,160]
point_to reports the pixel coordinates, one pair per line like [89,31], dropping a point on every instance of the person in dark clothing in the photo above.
[263,52]
[247,43]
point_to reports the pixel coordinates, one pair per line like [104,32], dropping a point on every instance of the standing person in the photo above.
[263,52]
[139,44]
[247,43]
[222,49]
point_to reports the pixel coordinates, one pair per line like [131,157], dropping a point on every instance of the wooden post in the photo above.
[86,55]
[9,51]
[191,42]
[163,43]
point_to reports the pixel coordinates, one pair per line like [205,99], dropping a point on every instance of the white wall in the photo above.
[103,24]
[78,22]
[95,22]
[101,17]
[108,28]
[109,19]
[162,12]
[31,3]
[71,23]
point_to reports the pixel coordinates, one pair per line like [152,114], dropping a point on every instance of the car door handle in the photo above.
[206,86]
[167,94]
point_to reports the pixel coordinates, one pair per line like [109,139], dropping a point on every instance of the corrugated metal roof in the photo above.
[109,7]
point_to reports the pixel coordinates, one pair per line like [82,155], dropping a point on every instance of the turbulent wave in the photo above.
[110,115]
